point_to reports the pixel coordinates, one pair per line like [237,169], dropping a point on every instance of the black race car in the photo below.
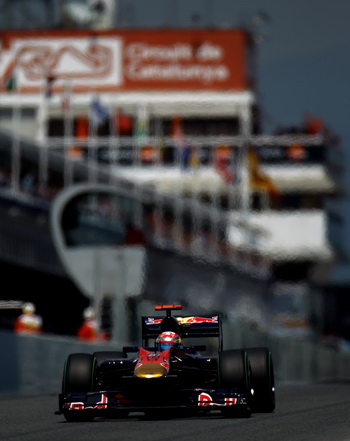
[169,374]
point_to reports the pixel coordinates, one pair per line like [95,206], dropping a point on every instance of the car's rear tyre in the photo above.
[108,355]
[79,376]
[263,380]
[234,372]
[234,369]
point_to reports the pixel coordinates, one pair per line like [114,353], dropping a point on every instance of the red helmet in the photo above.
[167,340]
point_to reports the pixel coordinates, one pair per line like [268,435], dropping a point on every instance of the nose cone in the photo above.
[150,370]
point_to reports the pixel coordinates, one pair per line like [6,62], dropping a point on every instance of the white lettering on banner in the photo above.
[178,72]
[209,51]
[179,51]
[142,51]
[141,67]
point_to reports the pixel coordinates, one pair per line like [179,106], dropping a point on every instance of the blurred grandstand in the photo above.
[171,117]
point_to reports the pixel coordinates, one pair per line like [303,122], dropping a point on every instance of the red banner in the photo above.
[125,60]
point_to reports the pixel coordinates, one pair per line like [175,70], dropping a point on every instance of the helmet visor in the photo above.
[165,345]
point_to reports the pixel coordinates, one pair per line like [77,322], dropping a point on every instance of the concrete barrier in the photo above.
[34,364]
[295,359]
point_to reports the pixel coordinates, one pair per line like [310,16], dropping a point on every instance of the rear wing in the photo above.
[189,326]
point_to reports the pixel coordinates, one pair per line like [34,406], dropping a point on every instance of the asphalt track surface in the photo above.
[314,412]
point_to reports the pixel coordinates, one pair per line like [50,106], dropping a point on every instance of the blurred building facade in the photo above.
[176,111]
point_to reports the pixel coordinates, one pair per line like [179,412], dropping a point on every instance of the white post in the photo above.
[92,145]
[15,153]
[245,186]
[97,291]
[68,141]
[119,324]
[159,142]
[113,141]
[42,135]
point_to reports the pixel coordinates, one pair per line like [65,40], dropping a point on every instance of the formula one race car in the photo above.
[169,375]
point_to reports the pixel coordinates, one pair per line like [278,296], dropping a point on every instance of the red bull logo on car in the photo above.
[184,320]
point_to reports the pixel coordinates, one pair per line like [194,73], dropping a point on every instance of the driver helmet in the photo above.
[167,340]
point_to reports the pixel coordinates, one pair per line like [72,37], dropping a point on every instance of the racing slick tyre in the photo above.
[234,372]
[79,376]
[263,381]
[108,355]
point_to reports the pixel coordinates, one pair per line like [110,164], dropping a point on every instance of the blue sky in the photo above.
[303,61]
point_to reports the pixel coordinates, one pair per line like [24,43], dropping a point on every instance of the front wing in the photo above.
[104,403]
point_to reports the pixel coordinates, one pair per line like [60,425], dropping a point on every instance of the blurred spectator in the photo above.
[5,177]
[28,183]
[134,236]
[28,322]
[313,125]
[90,330]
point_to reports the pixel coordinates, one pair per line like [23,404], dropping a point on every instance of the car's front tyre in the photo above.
[78,376]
